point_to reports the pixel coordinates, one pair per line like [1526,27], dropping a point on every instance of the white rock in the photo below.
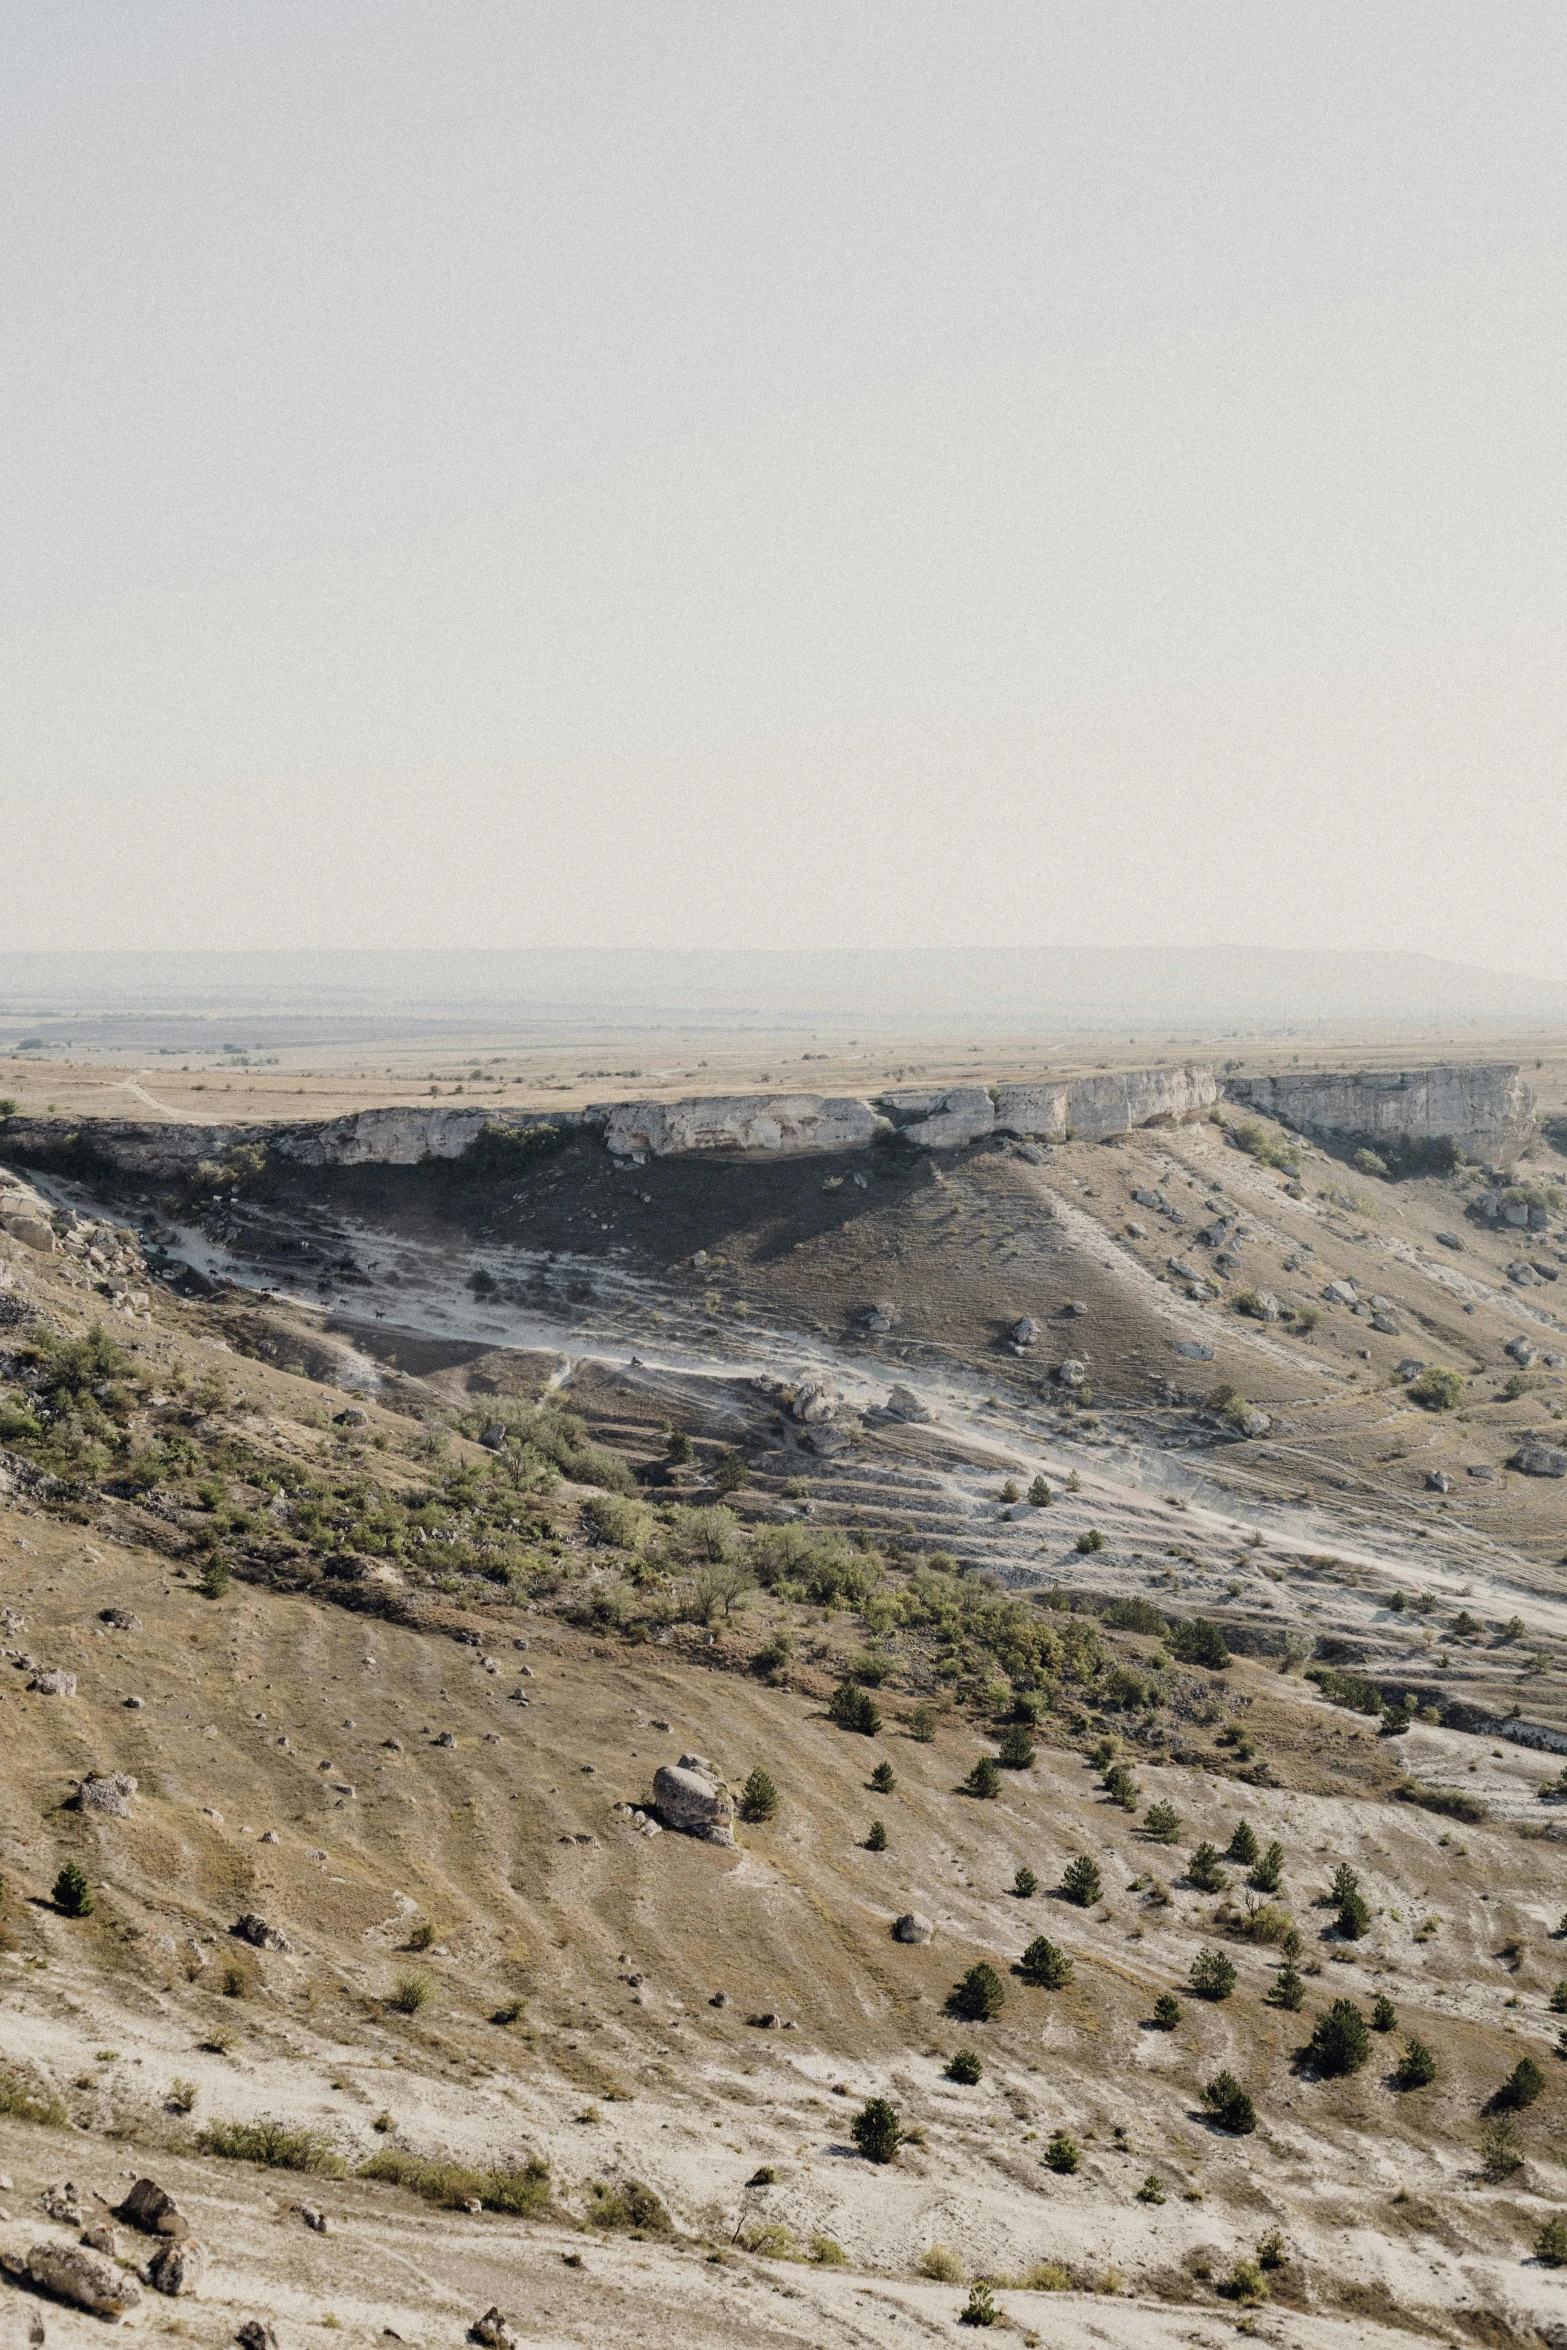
[691,1799]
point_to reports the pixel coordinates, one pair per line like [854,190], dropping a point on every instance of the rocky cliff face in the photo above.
[752,1122]
[1487,1109]
[1094,1108]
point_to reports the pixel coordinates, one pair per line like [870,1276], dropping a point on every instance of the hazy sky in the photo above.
[784,474]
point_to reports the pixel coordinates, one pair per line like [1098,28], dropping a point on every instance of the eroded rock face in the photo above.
[1117,1102]
[256,1931]
[772,1124]
[1485,1107]
[691,1798]
[108,1792]
[1540,1460]
[941,1118]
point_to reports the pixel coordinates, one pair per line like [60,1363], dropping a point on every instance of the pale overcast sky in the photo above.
[664,473]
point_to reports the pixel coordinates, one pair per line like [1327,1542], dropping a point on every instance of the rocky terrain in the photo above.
[567,1673]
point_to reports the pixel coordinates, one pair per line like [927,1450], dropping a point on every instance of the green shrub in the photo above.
[876,1837]
[628,1525]
[215,1577]
[827,2252]
[521,2189]
[410,1993]
[1416,2068]
[1205,1871]
[1354,1917]
[73,1896]
[1384,2015]
[1212,1975]
[1152,2189]
[1558,1999]
[1121,1787]
[1081,1882]
[1162,1822]
[1025,1884]
[876,2130]
[965,2068]
[628,2204]
[853,1708]
[758,1797]
[980,2308]
[279,2145]
[922,1724]
[1010,1492]
[1266,1145]
[25,2098]
[1017,1748]
[1166,2012]
[1349,1690]
[977,1996]
[984,1780]
[1063,2154]
[1040,1495]
[1200,1643]
[884,1779]
[1245,2282]
[1288,1989]
[1229,2105]
[1044,1962]
[1340,2042]
[1452,1803]
[1437,1390]
[182,2095]
[941,2265]
[731,1470]
[1090,1539]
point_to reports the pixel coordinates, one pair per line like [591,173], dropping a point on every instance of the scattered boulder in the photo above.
[1194,1350]
[1255,1423]
[912,1927]
[102,2238]
[1522,1352]
[255,1930]
[64,2204]
[495,2330]
[256,2334]
[107,1791]
[1411,1367]
[1484,1472]
[691,1798]
[1072,1373]
[1540,1460]
[815,1403]
[1074,1309]
[1025,1331]
[54,1682]
[1386,1324]
[87,2280]
[353,1417]
[31,1231]
[315,2218]
[121,1618]
[881,1318]
[150,2208]
[903,1404]
[1438,1481]
[1341,1293]
[177,2268]
[1450,1240]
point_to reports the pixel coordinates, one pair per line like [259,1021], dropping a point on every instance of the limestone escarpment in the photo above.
[1094,1108]
[1486,1108]
[739,1122]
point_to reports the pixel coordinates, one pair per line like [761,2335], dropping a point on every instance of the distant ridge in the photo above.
[896,989]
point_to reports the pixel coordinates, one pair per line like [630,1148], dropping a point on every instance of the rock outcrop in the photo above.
[941,1119]
[1484,1107]
[87,2280]
[1092,1109]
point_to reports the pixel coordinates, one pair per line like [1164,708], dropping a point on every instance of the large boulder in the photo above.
[108,1792]
[912,1927]
[85,2279]
[55,1682]
[31,1231]
[815,1403]
[1540,1460]
[177,2268]
[691,1797]
[256,1931]
[903,1404]
[152,2209]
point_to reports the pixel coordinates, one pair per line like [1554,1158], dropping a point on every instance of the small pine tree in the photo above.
[1204,1870]
[1062,2154]
[73,1896]
[1040,1495]
[1416,2068]
[984,1780]
[1090,1540]
[1345,1882]
[731,1471]
[1267,1873]
[758,1797]
[922,1724]
[884,1778]
[1229,2105]
[1121,1787]
[876,2130]
[1354,1918]
[1166,2011]
[215,1577]
[678,1450]
[1081,1882]
[1212,1975]
[1010,1491]
[1340,2042]
[1243,1844]
[1522,2086]
[965,2068]
[1558,2000]
[1025,1884]
[977,1996]
[1017,1748]
[1044,1962]
[1162,1822]
[1272,2251]
[1152,2189]
[1384,2015]
[1288,1988]
[876,1837]
[1550,2245]
[854,1708]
